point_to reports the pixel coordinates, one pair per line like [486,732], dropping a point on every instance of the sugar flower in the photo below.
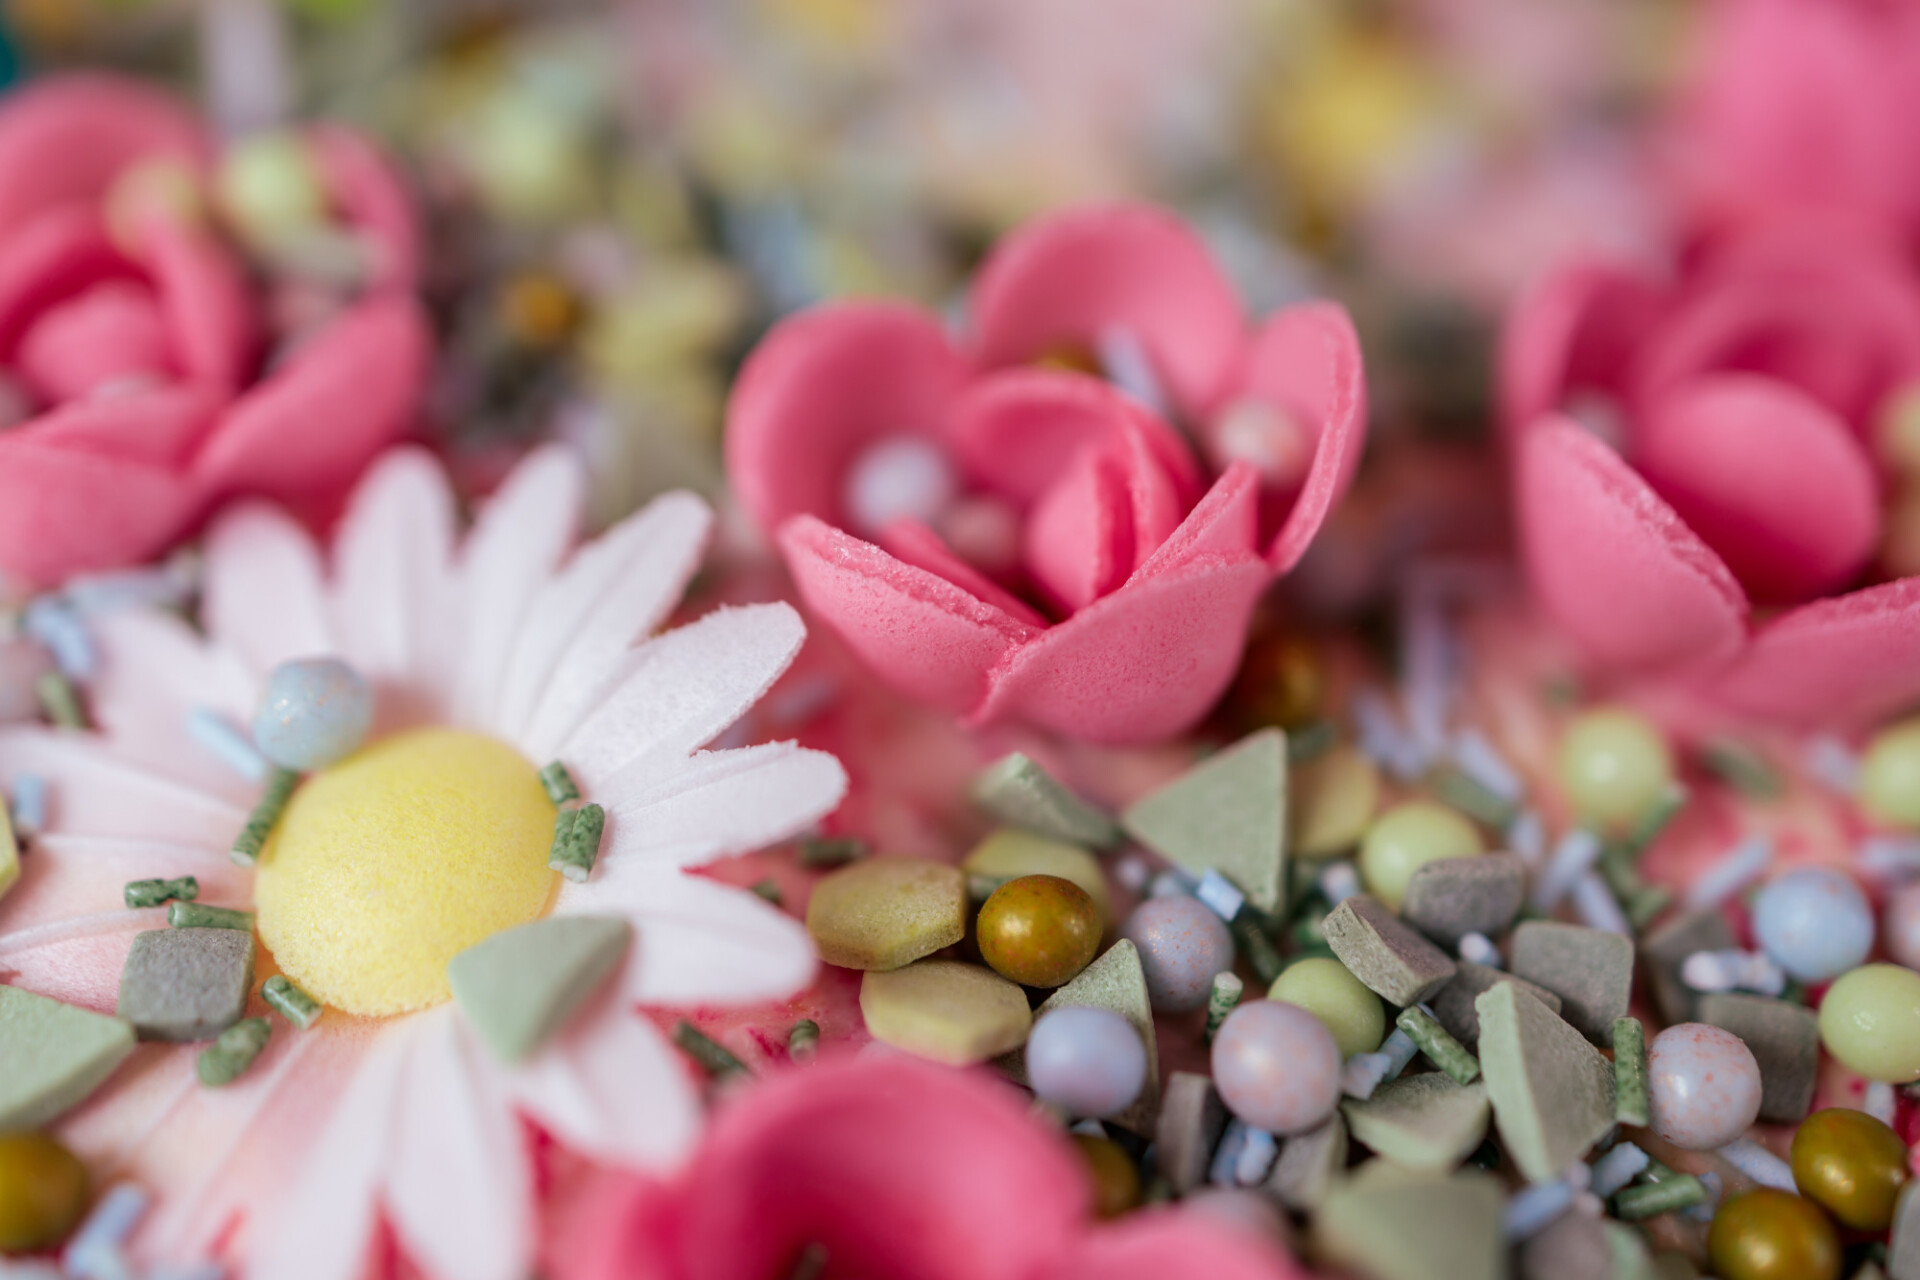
[1741,404]
[139,370]
[489,657]
[896,1167]
[1006,538]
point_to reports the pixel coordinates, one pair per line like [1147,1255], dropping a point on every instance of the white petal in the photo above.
[513,550]
[458,1185]
[394,604]
[89,790]
[696,941]
[615,590]
[263,595]
[324,1228]
[154,671]
[717,803]
[680,689]
[611,1088]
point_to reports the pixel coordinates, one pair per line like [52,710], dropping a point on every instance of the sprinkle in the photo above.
[1221,1001]
[1537,1207]
[227,744]
[1596,907]
[1226,1157]
[1256,1158]
[1527,836]
[266,813]
[1738,868]
[1312,742]
[1256,946]
[1885,858]
[1702,1213]
[1218,893]
[1125,361]
[1833,763]
[29,804]
[93,1252]
[804,1040]
[1617,1168]
[1429,662]
[1629,1072]
[1480,760]
[227,1058]
[153,893]
[1879,1102]
[1645,904]
[1171,883]
[93,594]
[1758,1163]
[1466,793]
[1438,1044]
[559,784]
[1651,1199]
[1576,851]
[61,701]
[198,915]
[1361,1074]
[293,1004]
[1383,739]
[1338,881]
[767,889]
[1478,948]
[57,624]
[712,1056]
[1733,970]
[1740,767]
[1132,872]
[576,841]
[1657,819]
[831,851]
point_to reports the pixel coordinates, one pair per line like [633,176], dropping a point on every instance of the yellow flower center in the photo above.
[390,863]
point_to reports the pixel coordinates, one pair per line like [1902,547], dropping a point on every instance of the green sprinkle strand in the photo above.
[831,851]
[1651,1199]
[260,823]
[61,701]
[804,1040]
[1648,829]
[712,1056]
[1646,903]
[559,783]
[1629,1072]
[576,841]
[198,915]
[1311,742]
[1456,787]
[1257,947]
[1655,1172]
[1221,1000]
[1741,767]
[1438,1044]
[154,893]
[768,889]
[293,1004]
[227,1059]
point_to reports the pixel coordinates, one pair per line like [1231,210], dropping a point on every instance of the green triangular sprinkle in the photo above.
[1422,1121]
[1393,1223]
[1227,813]
[1114,981]
[52,1056]
[1021,794]
[1552,1092]
[519,987]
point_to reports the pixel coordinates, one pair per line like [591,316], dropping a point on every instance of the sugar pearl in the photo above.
[1814,923]
[1900,926]
[1890,775]
[1276,1066]
[313,712]
[1182,945]
[1615,765]
[1870,1021]
[1091,1062]
[1406,838]
[901,478]
[1325,988]
[1703,1086]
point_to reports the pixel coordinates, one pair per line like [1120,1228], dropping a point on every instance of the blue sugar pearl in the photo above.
[1091,1062]
[1814,923]
[313,712]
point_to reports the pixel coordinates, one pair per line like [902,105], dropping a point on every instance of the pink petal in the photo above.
[920,633]
[69,876]
[1612,563]
[896,1167]
[912,542]
[1846,661]
[90,791]
[1139,665]
[77,960]
[209,315]
[156,426]
[1066,279]
[1306,361]
[264,596]
[822,386]
[611,1088]
[1159,1243]
[111,333]
[1575,328]
[54,257]
[64,139]
[371,198]
[1079,535]
[310,427]
[65,510]
[1768,478]
[1222,526]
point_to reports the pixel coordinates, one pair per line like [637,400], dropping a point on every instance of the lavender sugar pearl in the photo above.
[313,712]
[1703,1086]
[1814,923]
[1091,1062]
[1902,925]
[1276,1067]
[1182,944]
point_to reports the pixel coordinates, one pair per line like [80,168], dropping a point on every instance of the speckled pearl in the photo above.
[1814,923]
[900,478]
[1276,1067]
[1900,925]
[313,712]
[1182,945]
[1091,1062]
[1703,1086]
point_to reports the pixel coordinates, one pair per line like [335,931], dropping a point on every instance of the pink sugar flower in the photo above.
[1007,540]
[131,343]
[896,1167]
[1741,398]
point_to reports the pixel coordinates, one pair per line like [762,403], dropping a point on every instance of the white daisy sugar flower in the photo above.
[489,658]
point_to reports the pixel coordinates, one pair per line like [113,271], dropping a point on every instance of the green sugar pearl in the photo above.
[227,1059]
[1890,775]
[1408,837]
[1615,765]
[154,893]
[195,915]
[293,1004]
[1326,989]
[1870,1021]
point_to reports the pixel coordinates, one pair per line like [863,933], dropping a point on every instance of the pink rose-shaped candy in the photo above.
[1010,539]
[132,345]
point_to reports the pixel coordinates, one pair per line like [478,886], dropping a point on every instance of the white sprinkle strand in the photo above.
[1617,1168]
[1733,970]
[1758,1163]
[1478,948]
[29,804]
[227,743]
[95,594]
[1226,1156]
[1534,1209]
[1383,739]
[1596,906]
[1133,872]
[1171,884]
[1528,837]
[1256,1158]
[1480,760]
[1338,881]
[1572,857]
[1833,763]
[1125,361]
[94,1251]
[1219,895]
[58,626]
[1704,1211]
[1399,1049]
[1879,1102]
[1428,665]
[1361,1074]
[1890,859]
[1740,867]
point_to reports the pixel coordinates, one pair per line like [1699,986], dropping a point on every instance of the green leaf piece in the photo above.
[1552,1092]
[1393,1223]
[518,988]
[1423,1122]
[1227,813]
[1021,794]
[52,1056]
